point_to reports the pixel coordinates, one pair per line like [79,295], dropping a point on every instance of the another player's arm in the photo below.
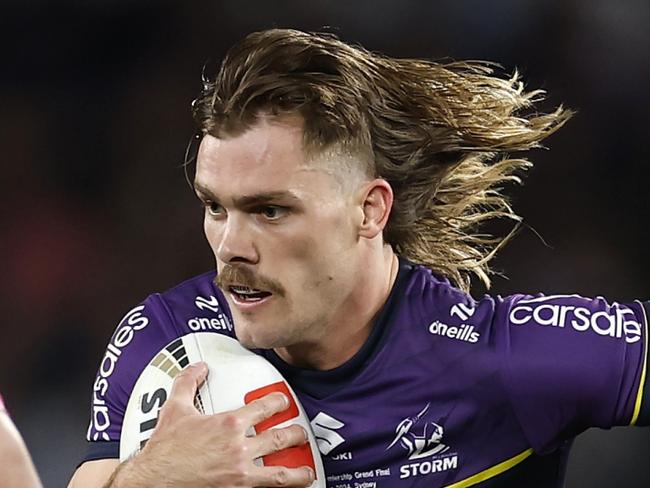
[17,468]
[190,449]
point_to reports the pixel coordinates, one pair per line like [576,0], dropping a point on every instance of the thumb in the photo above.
[186,383]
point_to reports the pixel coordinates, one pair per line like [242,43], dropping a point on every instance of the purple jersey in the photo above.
[446,392]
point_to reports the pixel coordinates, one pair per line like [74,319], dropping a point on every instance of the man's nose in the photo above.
[236,242]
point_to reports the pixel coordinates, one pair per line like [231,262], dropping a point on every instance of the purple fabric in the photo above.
[453,387]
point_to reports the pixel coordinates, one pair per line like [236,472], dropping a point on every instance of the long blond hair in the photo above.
[440,133]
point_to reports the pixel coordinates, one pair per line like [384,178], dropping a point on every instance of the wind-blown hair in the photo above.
[439,133]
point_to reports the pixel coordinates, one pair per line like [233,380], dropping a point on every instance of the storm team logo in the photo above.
[419,437]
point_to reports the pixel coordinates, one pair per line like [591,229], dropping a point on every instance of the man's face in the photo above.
[283,230]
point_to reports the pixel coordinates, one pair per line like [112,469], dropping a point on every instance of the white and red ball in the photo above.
[236,377]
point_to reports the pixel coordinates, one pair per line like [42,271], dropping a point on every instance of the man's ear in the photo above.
[377,201]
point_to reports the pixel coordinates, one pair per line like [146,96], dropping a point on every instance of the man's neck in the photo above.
[347,331]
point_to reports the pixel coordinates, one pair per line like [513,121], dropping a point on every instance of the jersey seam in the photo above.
[168,311]
[507,379]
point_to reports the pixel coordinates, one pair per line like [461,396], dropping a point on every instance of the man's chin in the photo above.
[252,339]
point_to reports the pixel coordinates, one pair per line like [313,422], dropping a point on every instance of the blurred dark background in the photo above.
[94,121]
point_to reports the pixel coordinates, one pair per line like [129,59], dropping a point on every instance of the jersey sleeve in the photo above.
[571,363]
[193,306]
[138,336]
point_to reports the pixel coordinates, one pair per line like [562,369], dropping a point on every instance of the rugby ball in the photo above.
[236,377]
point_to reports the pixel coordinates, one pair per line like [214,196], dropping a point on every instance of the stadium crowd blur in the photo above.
[96,214]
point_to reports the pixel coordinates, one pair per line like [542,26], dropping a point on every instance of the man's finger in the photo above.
[274,440]
[281,476]
[263,408]
[187,382]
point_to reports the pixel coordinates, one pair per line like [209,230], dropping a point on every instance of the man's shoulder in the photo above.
[195,305]
[432,309]
[432,291]
[202,284]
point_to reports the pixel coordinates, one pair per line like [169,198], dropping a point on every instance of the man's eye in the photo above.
[272,212]
[214,209]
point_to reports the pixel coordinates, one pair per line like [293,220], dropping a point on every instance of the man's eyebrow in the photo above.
[264,198]
[204,191]
[250,200]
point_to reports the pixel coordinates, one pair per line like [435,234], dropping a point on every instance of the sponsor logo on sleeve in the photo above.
[216,322]
[463,332]
[132,322]
[210,303]
[616,321]
[462,311]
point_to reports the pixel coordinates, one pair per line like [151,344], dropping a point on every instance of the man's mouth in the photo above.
[246,294]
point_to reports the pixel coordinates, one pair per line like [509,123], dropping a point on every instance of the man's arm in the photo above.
[17,468]
[193,450]
[571,363]
[93,473]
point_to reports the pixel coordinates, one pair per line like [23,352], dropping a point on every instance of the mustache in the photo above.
[233,274]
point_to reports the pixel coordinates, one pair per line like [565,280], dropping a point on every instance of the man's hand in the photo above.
[189,449]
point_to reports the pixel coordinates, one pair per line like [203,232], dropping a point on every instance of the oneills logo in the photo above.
[211,303]
[462,311]
[463,332]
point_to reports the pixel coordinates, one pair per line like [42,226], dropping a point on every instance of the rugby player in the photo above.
[344,195]
[17,469]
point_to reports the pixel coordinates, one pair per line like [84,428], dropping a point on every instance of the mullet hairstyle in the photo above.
[439,133]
